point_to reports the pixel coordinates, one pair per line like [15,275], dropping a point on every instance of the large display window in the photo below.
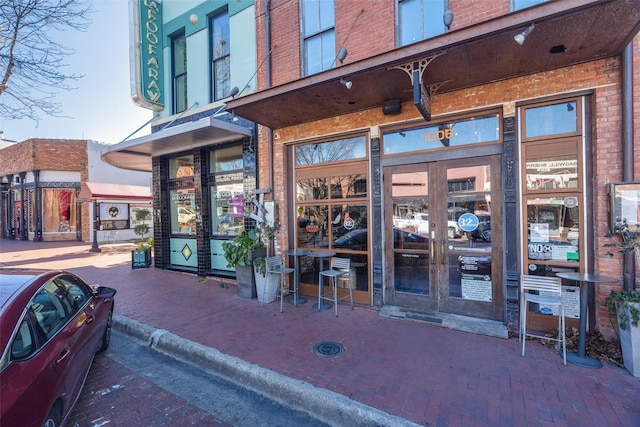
[554,237]
[332,210]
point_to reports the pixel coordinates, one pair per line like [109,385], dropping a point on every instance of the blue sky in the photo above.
[100,108]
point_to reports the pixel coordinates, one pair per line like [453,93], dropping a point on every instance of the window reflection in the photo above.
[551,173]
[455,133]
[227,209]
[183,211]
[331,151]
[551,119]
[180,167]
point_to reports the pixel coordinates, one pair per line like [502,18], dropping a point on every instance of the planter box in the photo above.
[630,343]
[141,258]
[245,280]
[267,287]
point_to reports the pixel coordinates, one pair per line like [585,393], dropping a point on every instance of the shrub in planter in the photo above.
[626,304]
[141,256]
[240,253]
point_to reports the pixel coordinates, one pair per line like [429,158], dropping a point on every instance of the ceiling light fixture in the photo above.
[520,37]
[346,83]
[447,18]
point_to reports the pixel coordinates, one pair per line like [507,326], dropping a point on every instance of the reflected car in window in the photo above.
[52,324]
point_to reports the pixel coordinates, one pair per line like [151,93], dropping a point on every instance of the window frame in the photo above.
[222,57]
[399,20]
[179,79]
[319,33]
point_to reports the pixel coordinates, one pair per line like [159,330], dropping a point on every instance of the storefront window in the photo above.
[183,211]
[551,119]
[454,133]
[331,151]
[226,159]
[227,209]
[58,210]
[553,229]
[332,210]
[551,166]
[180,167]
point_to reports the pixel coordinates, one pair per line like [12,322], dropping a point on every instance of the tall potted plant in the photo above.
[141,255]
[240,253]
[625,304]
[266,284]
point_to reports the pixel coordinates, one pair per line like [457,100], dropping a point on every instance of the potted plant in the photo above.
[626,304]
[141,255]
[240,253]
[266,285]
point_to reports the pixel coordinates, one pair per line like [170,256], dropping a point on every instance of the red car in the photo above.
[52,324]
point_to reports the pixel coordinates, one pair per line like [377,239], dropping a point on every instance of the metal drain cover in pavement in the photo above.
[328,349]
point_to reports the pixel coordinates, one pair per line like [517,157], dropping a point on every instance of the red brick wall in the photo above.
[602,77]
[45,154]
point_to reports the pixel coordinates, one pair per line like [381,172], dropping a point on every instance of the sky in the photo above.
[101,108]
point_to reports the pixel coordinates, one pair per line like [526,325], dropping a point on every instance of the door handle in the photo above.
[89,320]
[62,356]
[432,252]
[442,260]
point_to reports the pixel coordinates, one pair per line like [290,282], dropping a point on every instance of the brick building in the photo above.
[444,147]
[42,197]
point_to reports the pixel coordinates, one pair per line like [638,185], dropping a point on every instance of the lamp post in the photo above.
[96,225]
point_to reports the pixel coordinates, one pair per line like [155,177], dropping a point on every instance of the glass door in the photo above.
[443,232]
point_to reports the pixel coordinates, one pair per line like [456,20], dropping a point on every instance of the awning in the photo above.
[103,190]
[136,154]
[566,33]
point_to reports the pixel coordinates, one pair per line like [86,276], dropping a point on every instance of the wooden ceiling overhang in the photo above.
[580,30]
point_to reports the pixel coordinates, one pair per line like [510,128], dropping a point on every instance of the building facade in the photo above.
[42,192]
[445,147]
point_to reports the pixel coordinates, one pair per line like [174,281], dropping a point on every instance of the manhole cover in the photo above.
[328,349]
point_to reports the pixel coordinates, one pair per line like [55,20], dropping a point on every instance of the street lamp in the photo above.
[96,225]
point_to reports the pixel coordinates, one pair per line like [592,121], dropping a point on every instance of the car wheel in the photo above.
[53,417]
[106,337]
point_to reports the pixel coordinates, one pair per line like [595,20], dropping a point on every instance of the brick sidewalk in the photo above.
[424,373]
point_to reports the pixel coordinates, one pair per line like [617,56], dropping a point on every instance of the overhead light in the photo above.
[346,83]
[447,18]
[520,37]
[342,54]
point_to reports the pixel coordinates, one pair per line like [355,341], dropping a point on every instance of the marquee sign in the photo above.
[146,62]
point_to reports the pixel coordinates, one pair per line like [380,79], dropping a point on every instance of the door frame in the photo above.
[438,191]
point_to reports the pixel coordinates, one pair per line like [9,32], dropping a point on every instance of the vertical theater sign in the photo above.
[147,64]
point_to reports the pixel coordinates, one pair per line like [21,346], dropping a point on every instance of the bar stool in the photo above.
[275,266]
[337,268]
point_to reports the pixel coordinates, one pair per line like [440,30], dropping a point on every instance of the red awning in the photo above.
[103,190]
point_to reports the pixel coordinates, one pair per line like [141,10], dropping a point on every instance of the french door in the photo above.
[443,237]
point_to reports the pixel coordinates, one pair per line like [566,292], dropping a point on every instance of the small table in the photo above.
[296,254]
[321,305]
[580,358]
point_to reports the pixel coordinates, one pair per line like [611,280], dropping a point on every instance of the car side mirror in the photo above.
[105,292]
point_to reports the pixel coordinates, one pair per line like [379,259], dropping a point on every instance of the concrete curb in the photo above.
[329,407]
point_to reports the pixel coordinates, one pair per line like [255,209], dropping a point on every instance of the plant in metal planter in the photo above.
[141,255]
[626,304]
[240,253]
[266,285]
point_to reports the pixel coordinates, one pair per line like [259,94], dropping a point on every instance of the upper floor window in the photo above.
[220,56]
[319,35]
[419,20]
[523,4]
[179,72]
